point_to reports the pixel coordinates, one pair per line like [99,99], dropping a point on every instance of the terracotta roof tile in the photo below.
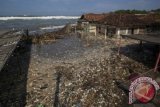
[122,20]
[92,17]
[150,18]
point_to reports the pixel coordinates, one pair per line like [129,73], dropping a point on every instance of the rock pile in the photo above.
[92,83]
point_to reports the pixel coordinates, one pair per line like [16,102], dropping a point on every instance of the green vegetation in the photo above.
[40,105]
[137,11]
[156,11]
[132,11]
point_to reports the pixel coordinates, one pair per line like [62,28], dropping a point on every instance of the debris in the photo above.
[88,74]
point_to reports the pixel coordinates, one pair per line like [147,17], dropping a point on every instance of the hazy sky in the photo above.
[71,7]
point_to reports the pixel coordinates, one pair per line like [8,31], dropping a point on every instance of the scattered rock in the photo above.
[44,86]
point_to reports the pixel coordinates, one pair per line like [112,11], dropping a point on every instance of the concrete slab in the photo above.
[8,43]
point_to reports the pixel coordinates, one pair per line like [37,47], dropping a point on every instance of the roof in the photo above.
[150,19]
[151,38]
[8,42]
[91,17]
[122,20]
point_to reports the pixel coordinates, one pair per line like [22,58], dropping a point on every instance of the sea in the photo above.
[36,23]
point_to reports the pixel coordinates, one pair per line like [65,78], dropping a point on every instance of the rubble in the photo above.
[85,80]
[49,37]
[93,84]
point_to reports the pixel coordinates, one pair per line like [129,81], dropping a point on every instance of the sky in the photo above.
[71,7]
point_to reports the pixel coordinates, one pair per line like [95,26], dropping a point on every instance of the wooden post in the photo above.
[157,62]
[95,30]
[118,32]
[26,32]
[105,34]
[119,45]
[126,31]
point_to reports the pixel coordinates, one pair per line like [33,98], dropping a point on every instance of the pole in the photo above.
[105,34]
[157,62]
[119,45]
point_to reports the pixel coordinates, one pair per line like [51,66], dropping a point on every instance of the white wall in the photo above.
[136,31]
[92,29]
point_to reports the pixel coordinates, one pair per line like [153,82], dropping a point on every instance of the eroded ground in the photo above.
[81,72]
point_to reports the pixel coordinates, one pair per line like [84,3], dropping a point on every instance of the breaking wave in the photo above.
[52,27]
[40,17]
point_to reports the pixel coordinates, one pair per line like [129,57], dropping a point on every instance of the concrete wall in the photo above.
[84,23]
[129,31]
[125,31]
[139,31]
[92,29]
[142,31]
[102,29]
[136,31]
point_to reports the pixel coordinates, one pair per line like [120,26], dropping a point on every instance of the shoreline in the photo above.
[48,37]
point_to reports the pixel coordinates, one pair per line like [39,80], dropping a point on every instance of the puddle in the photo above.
[66,48]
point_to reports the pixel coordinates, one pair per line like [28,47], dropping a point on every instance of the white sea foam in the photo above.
[55,27]
[40,17]
[52,27]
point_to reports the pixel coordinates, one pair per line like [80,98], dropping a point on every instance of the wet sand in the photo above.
[3,31]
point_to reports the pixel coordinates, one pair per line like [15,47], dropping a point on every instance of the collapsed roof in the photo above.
[150,19]
[123,20]
[91,17]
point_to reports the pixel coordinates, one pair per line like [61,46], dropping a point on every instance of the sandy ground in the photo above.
[87,80]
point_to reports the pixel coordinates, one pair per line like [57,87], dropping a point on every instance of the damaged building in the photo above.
[113,24]
[89,22]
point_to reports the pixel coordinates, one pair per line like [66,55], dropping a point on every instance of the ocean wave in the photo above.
[40,17]
[52,27]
